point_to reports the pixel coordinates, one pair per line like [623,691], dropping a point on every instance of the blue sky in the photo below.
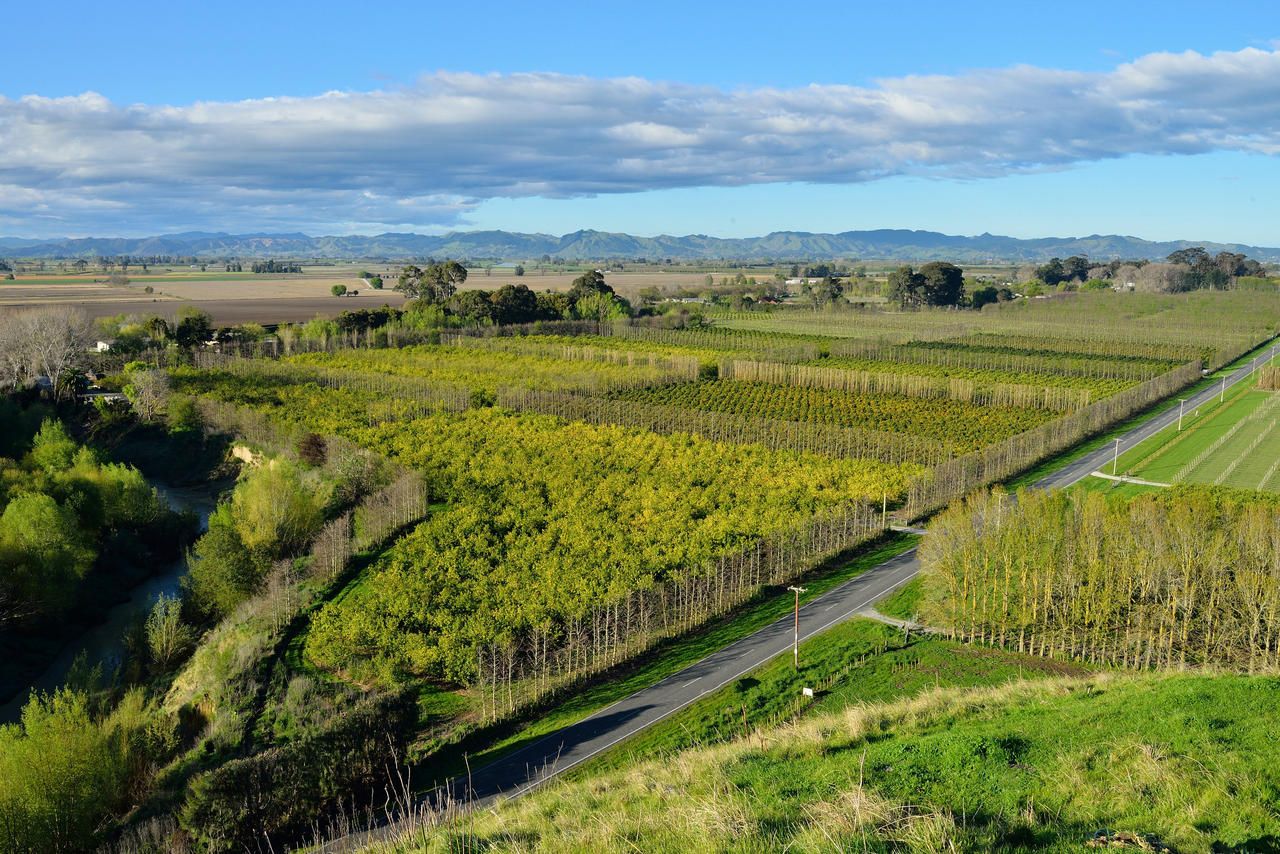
[737,119]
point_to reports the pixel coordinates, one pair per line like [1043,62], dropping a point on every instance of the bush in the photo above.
[273,512]
[52,449]
[168,638]
[283,793]
[62,771]
[276,513]
[222,573]
[183,416]
[312,449]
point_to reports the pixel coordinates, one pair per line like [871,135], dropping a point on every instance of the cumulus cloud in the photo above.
[430,153]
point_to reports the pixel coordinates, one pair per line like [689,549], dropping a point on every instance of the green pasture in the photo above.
[1233,441]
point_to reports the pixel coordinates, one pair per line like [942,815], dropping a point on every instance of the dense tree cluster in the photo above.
[1183,270]
[435,287]
[937,283]
[987,295]
[67,764]
[1184,577]
[273,512]
[61,508]
[1057,271]
[274,266]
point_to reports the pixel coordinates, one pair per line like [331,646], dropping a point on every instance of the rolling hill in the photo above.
[898,244]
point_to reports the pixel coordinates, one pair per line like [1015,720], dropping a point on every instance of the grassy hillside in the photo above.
[859,661]
[1191,759]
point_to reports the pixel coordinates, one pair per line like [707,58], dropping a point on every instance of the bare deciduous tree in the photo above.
[15,356]
[1161,278]
[42,342]
[148,391]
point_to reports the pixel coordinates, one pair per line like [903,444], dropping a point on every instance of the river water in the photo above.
[103,643]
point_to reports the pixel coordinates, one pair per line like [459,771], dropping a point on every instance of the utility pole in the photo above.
[884,510]
[1223,393]
[1116,459]
[795,647]
[1181,401]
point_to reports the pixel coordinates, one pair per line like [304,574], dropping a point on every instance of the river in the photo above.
[103,643]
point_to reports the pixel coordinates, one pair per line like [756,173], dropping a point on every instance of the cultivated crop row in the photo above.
[960,425]
[950,356]
[1054,398]
[483,370]
[772,433]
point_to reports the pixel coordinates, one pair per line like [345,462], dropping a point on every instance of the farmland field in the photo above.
[613,469]
[1235,442]
[450,540]
[234,298]
[965,426]
[486,371]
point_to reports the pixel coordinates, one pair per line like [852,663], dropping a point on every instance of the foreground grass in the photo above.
[855,662]
[670,659]
[1192,759]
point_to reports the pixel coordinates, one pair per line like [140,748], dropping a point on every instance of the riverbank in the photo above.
[40,659]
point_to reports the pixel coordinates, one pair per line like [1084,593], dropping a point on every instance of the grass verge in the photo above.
[903,603]
[1088,446]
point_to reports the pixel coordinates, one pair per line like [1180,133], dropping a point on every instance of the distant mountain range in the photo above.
[896,244]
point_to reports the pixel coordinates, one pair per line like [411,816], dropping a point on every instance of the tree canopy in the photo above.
[433,284]
[937,283]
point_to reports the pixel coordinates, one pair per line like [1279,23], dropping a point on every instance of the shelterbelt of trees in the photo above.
[1184,577]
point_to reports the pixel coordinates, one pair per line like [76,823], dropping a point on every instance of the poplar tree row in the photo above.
[1179,578]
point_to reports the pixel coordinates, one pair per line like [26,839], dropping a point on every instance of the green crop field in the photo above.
[1233,442]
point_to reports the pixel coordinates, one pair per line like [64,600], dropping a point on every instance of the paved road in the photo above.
[558,752]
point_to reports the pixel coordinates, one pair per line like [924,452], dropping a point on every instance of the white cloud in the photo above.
[428,154]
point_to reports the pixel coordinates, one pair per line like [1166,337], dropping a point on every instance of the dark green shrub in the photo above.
[282,794]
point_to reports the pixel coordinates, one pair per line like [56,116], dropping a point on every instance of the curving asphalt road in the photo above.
[517,773]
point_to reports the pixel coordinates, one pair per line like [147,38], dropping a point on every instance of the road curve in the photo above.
[518,772]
